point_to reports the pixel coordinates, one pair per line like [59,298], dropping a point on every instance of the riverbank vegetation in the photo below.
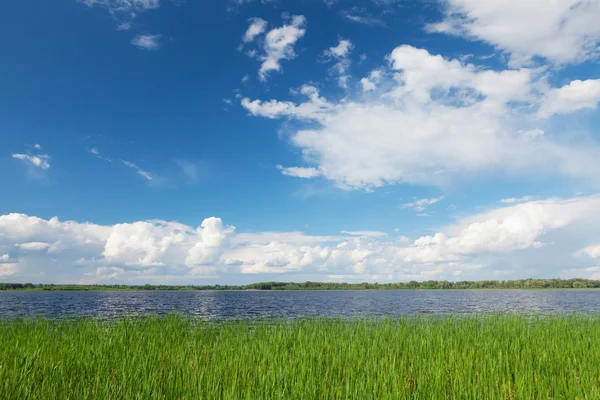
[412,285]
[174,357]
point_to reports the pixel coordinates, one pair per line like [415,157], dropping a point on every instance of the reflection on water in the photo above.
[250,304]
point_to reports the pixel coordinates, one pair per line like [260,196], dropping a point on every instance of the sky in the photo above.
[237,141]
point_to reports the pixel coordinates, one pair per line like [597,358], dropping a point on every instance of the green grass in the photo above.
[477,357]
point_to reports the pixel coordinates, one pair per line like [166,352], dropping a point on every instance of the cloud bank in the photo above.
[537,238]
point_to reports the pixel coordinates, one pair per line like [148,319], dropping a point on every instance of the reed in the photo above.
[175,357]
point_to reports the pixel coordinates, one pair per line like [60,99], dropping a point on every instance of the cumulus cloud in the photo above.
[562,32]
[340,55]
[8,269]
[547,231]
[146,42]
[577,95]
[257,27]
[315,108]
[279,45]
[432,121]
[592,251]
[370,83]
[143,243]
[213,236]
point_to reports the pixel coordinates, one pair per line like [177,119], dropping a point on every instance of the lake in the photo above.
[256,304]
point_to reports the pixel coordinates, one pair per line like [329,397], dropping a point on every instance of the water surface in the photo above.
[253,304]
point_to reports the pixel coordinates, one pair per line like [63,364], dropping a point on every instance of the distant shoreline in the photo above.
[528,284]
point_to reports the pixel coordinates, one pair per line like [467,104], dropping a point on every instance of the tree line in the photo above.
[576,283]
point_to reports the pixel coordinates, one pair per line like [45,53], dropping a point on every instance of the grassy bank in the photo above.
[475,357]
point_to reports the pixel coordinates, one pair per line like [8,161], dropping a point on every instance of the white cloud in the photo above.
[374,234]
[94,151]
[8,269]
[577,95]
[279,45]
[548,232]
[124,11]
[514,200]
[144,243]
[126,6]
[213,236]
[315,107]
[422,204]
[370,83]
[433,121]
[299,172]
[34,246]
[365,19]
[340,54]
[257,27]
[106,273]
[125,26]
[341,50]
[138,170]
[37,146]
[39,161]
[589,273]
[592,251]
[519,226]
[146,42]
[4,258]
[563,31]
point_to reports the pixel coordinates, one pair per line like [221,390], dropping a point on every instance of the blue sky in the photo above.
[236,141]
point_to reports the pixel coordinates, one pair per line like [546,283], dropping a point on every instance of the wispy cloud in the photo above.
[359,17]
[39,161]
[94,151]
[365,233]
[124,11]
[123,6]
[514,200]
[125,26]
[138,170]
[299,172]
[146,42]
[190,170]
[421,204]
